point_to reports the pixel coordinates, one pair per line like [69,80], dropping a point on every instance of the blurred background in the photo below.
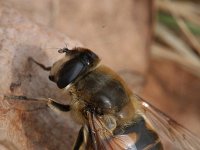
[153,44]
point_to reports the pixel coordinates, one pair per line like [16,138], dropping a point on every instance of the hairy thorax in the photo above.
[104,93]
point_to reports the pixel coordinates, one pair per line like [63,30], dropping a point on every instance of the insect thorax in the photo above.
[103,90]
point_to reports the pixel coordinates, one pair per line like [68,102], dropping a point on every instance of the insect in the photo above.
[112,117]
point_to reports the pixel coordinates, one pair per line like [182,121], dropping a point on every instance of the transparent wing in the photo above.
[102,138]
[167,128]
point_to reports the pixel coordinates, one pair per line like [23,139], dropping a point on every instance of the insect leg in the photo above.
[39,64]
[79,140]
[19,97]
[57,106]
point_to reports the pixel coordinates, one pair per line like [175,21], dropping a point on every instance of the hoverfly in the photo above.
[112,117]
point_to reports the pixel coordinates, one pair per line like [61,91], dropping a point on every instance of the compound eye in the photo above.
[51,78]
[70,72]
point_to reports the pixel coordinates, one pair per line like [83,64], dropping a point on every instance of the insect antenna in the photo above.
[67,51]
[64,50]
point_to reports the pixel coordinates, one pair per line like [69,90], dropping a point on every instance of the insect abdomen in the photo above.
[146,137]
